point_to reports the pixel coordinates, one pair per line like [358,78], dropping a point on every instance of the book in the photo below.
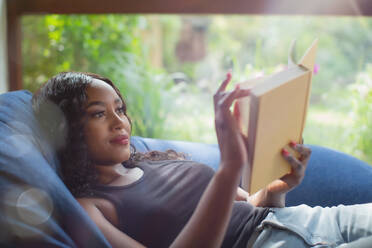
[273,115]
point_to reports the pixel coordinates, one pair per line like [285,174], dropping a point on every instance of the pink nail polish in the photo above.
[292,144]
[285,152]
[228,75]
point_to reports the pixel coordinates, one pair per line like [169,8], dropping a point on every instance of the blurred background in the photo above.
[168,67]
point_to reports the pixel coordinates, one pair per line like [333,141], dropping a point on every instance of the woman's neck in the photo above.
[108,174]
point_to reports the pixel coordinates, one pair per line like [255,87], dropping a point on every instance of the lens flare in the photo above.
[27,211]
[34,206]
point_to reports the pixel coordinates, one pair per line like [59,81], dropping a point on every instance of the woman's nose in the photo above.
[117,121]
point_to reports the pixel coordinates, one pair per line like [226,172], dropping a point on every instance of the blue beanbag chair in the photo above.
[37,210]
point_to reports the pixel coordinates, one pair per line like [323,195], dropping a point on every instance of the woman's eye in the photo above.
[98,114]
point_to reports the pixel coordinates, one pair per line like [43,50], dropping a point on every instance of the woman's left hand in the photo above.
[273,195]
[297,173]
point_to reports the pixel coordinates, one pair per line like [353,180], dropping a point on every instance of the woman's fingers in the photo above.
[304,151]
[232,147]
[226,98]
[224,83]
[294,162]
[299,165]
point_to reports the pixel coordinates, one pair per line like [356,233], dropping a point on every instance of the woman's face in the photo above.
[106,128]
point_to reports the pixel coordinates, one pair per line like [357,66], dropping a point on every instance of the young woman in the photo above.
[159,199]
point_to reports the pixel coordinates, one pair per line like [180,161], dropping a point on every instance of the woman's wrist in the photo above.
[265,198]
[229,175]
[275,199]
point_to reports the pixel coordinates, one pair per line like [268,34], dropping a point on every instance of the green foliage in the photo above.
[170,26]
[109,45]
[263,42]
[77,42]
[362,102]
[328,128]
[149,102]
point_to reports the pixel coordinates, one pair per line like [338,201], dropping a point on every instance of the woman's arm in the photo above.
[208,224]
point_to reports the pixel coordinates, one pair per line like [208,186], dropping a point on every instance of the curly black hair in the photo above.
[58,106]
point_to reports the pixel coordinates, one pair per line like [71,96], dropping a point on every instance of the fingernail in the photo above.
[292,144]
[228,75]
[285,152]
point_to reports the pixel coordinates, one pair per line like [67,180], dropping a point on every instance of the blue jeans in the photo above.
[304,226]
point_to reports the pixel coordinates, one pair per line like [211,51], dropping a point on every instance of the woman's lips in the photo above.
[120,140]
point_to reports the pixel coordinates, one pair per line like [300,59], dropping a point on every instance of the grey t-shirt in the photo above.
[154,209]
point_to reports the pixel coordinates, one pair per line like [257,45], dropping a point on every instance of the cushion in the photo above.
[333,178]
[36,207]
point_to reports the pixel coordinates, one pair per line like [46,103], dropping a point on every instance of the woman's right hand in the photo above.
[230,140]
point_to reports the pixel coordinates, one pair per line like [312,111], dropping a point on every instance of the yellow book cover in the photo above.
[272,116]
